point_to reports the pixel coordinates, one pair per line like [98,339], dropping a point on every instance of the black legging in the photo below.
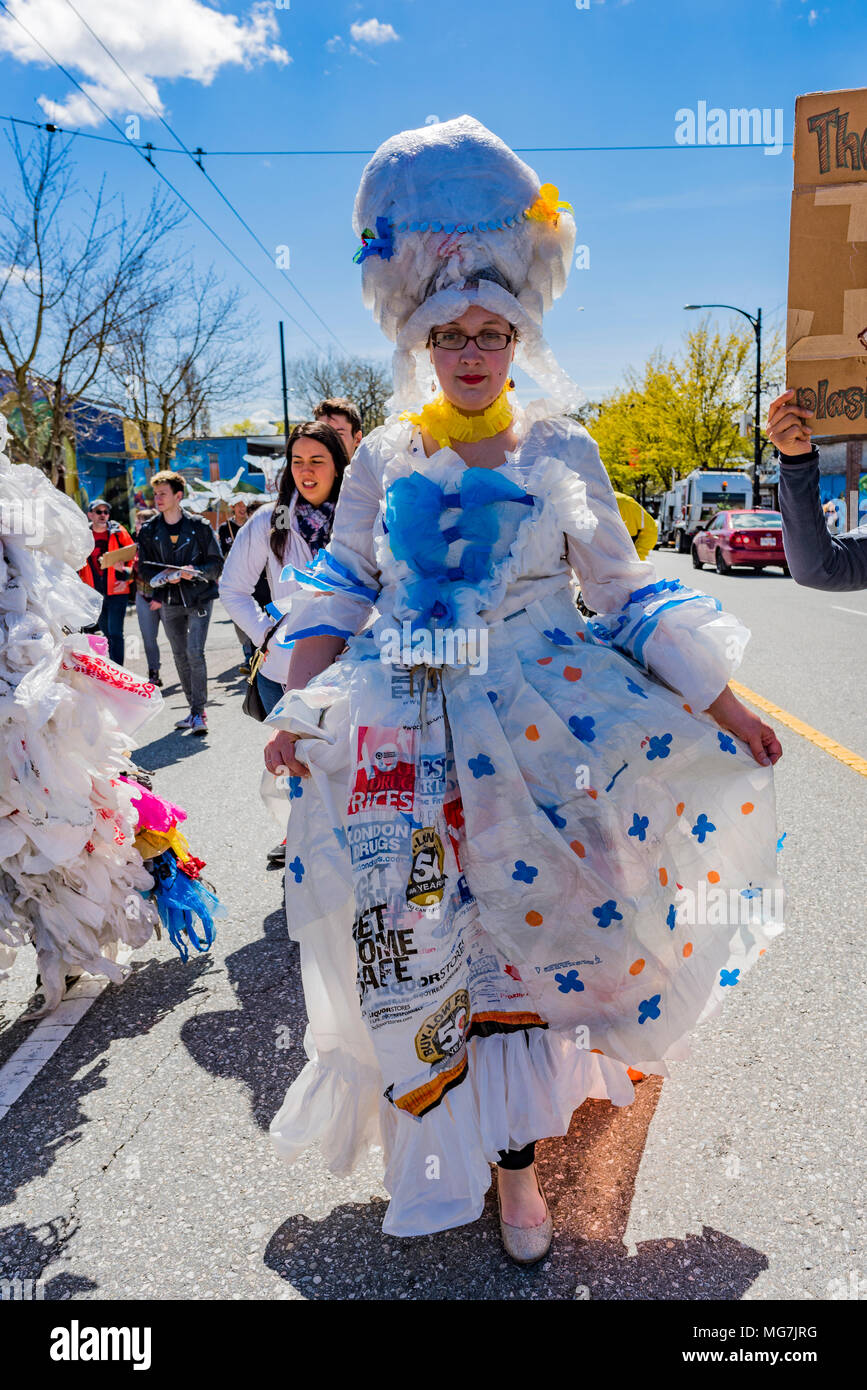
[517,1158]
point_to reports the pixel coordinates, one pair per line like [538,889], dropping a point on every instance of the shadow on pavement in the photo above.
[589,1178]
[352,1259]
[230,676]
[170,748]
[27,1253]
[48,1117]
[260,1043]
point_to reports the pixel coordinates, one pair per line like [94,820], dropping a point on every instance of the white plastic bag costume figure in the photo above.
[70,877]
[502,871]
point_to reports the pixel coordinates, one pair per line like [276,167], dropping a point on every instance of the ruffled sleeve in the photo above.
[339,589]
[681,635]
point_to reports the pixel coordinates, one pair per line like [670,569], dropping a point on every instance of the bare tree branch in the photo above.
[365,382]
[69,286]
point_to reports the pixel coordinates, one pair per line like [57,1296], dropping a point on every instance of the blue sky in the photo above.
[663,227]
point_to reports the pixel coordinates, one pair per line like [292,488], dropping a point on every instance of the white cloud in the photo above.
[19,275]
[333,44]
[371,31]
[264,421]
[812,16]
[360,53]
[174,38]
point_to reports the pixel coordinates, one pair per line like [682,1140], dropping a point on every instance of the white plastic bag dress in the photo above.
[71,878]
[511,880]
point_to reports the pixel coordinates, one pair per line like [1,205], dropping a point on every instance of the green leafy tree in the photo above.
[683,412]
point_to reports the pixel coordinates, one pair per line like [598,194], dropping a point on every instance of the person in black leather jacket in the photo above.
[186,601]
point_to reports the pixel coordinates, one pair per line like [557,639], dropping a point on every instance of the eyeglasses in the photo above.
[487,341]
[101,511]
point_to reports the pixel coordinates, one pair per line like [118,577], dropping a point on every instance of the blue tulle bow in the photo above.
[480,486]
[431,599]
[473,565]
[474,524]
[415,508]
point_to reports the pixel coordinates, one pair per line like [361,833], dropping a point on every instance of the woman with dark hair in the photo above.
[287,532]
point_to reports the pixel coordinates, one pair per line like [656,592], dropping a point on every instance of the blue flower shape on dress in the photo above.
[639,826]
[558,637]
[729,977]
[671,917]
[702,828]
[481,765]
[658,746]
[295,788]
[583,728]
[636,688]
[492,696]
[607,913]
[568,982]
[296,868]
[726,743]
[556,820]
[524,873]
[649,1008]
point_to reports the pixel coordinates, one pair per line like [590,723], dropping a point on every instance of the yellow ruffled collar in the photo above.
[445,421]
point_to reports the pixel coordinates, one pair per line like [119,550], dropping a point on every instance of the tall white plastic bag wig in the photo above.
[438,205]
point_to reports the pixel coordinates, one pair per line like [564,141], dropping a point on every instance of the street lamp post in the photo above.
[757,428]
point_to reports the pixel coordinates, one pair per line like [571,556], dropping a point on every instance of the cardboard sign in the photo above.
[121,556]
[826,338]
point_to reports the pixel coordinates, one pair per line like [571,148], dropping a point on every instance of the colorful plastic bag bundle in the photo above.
[179,894]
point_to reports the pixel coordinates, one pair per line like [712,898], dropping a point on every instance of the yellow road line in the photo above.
[828,745]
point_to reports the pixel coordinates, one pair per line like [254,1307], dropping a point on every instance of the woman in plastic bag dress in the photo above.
[76,826]
[526,851]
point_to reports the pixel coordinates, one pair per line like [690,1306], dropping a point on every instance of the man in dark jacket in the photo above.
[815,558]
[187,546]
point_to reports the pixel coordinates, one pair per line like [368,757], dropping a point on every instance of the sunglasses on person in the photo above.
[101,511]
[488,341]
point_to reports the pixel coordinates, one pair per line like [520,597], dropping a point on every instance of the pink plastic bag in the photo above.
[153,812]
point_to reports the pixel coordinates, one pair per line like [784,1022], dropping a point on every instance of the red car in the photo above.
[753,538]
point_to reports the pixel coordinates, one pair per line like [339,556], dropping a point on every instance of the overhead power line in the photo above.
[197,161]
[277,154]
[142,151]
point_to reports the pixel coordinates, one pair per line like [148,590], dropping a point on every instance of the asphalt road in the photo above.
[137,1163]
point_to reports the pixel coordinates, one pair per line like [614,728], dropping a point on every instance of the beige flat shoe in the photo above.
[527,1244]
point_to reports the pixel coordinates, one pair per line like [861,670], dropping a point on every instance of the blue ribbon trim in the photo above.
[643,625]
[328,575]
[288,639]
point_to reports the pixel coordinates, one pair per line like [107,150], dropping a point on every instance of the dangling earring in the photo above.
[511,383]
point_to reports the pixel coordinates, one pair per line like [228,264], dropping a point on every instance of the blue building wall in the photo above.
[194,456]
[833,486]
